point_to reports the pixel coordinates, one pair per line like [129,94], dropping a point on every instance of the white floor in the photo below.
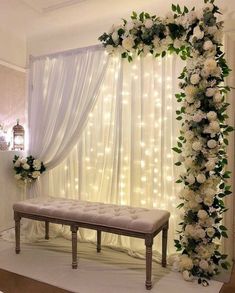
[106,272]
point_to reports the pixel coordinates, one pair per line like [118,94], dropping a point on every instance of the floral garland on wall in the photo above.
[196,36]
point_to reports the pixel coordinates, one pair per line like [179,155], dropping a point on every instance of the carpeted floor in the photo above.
[47,263]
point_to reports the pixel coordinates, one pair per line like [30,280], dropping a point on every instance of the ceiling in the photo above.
[27,18]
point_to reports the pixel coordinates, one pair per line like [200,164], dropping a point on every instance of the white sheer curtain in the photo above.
[124,155]
[63,90]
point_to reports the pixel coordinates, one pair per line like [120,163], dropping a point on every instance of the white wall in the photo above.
[12,49]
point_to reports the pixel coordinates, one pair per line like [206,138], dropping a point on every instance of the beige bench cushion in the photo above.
[109,215]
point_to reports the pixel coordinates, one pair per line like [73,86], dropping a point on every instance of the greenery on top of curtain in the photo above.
[195,36]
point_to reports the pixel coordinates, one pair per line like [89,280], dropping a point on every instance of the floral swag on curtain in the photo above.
[196,37]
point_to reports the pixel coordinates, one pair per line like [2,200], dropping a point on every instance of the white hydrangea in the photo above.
[189,135]
[191,91]
[202,214]
[210,165]
[197,146]
[185,263]
[214,126]
[203,264]
[210,92]
[210,66]
[217,98]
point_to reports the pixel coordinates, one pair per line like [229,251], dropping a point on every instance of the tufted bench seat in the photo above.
[124,220]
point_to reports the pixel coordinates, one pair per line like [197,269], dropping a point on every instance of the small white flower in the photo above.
[35,174]
[129,26]
[210,65]
[210,165]
[195,78]
[185,263]
[211,143]
[211,116]
[215,127]
[115,36]
[201,178]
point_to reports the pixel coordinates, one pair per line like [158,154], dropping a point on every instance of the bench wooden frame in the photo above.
[74,226]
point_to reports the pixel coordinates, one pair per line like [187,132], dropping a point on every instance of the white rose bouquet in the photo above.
[27,169]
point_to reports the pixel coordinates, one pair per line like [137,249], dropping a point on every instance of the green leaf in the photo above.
[173,7]
[224,234]
[223,228]
[226,141]
[177,150]
[180,205]
[178,163]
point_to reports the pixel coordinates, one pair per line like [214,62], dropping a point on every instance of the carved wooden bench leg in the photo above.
[148,244]
[98,248]
[74,230]
[164,245]
[17,219]
[46,230]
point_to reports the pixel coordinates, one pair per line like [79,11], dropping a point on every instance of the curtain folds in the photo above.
[63,90]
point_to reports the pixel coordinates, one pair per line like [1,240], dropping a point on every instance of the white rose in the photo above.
[200,233]
[128,43]
[211,143]
[18,176]
[203,264]
[210,165]
[211,116]
[115,36]
[190,179]
[208,45]
[217,98]
[187,276]
[198,198]
[208,201]
[148,23]
[35,174]
[189,99]
[17,163]
[197,146]
[26,166]
[210,231]
[195,78]
[198,33]
[201,178]
[202,215]
[215,127]
[23,161]
[210,92]
[129,26]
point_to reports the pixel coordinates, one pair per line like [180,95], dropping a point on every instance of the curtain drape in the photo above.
[124,155]
[63,90]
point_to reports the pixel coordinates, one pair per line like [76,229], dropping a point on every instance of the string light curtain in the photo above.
[124,155]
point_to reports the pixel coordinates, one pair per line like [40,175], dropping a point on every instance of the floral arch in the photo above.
[196,36]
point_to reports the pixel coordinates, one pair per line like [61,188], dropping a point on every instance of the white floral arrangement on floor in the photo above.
[196,36]
[27,169]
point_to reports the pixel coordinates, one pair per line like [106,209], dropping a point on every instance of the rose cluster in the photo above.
[27,169]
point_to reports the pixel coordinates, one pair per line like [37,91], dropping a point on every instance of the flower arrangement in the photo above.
[27,169]
[196,37]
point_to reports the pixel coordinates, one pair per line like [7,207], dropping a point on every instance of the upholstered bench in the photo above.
[123,220]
